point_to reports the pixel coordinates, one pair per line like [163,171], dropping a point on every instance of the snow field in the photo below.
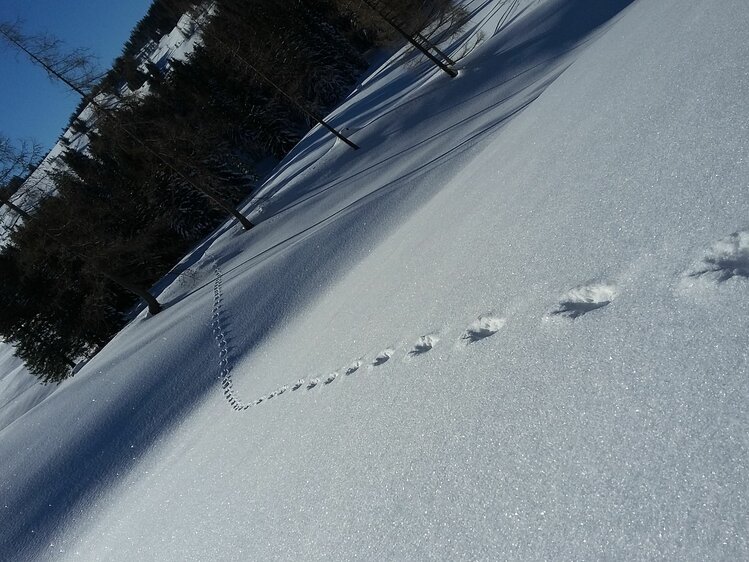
[563,189]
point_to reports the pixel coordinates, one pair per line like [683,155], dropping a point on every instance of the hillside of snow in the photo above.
[19,391]
[514,325]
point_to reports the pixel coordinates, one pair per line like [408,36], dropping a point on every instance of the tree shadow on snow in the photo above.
[507,73]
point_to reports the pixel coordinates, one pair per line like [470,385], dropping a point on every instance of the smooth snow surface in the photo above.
[530,284]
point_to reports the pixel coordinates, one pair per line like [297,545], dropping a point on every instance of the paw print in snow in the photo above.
[584,299]
[351,369]
[481,328]
[726,259]
[383,357]
[424,345]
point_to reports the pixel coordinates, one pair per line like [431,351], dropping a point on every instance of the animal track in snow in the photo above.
[425,344]
[726,259]
[584,299]
[383,357]
[351,369]
[221,338]
[481,328]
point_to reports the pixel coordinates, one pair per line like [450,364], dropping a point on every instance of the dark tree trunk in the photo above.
[380,10]
[154,307]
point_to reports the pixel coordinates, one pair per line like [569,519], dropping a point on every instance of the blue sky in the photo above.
[31,106]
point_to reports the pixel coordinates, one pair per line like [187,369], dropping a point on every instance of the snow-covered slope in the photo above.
[19,391]
[513,326]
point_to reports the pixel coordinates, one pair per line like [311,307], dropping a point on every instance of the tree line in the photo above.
[161,171]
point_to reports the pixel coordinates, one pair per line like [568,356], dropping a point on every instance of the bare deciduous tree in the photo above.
[16,161]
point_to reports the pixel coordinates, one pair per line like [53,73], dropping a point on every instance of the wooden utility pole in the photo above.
[418,40]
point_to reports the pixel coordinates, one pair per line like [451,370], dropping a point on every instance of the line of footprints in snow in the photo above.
[727,259]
